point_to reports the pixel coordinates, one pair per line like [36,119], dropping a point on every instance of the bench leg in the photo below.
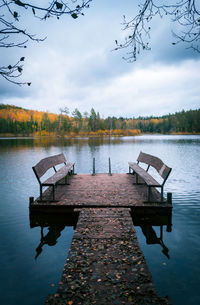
[136,178]
[53,186]
[161,194]
[66,180]
[40,192]
[149,194]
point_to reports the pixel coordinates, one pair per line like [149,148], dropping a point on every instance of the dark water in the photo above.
[25,280]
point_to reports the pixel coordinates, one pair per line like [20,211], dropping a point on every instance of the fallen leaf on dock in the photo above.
[130,299]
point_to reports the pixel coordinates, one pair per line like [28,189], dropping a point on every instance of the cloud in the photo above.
[75,67]
[155,90]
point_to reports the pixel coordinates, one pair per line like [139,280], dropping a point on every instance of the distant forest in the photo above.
[15,120]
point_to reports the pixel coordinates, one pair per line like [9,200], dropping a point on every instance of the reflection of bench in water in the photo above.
[50,162]
[151,237]
[147,223]
[162,169]
[50,239]
[55,223]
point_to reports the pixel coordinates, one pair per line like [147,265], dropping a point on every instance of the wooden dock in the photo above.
[101,190]
[105,264]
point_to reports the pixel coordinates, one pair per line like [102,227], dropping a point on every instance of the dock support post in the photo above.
[93,171]
[169,226]
[110,174]
[169,198]
[161,232]
[31,200]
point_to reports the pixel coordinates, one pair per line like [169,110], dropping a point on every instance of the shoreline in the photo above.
[9,135]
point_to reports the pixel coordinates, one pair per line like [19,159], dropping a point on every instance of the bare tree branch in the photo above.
[13,35]
[12,73]
[185,13]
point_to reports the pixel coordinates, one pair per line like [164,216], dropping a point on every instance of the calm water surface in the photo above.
[31,268]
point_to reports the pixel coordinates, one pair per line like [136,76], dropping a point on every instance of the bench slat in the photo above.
[46,163]
[149,180]
[61,173]
[155,162]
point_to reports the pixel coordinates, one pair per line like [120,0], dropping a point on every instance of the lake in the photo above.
[31,270]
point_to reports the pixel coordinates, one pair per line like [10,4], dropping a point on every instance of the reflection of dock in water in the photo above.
[105,264]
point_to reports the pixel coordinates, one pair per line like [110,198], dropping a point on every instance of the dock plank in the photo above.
[105,264]
[101,190]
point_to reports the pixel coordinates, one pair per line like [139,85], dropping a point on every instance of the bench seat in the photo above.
[60,174]
[149,180]
[151,161]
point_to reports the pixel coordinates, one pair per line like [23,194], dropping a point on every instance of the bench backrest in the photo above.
[42,167]
[155,162]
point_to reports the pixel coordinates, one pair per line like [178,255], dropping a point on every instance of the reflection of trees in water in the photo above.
[50,239]
[78,143]
[48,142]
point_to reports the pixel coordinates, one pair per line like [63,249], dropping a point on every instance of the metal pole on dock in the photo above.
[93,172]
[110,174]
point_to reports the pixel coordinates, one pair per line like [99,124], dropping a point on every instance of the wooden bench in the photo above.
[155,162]
[50,162]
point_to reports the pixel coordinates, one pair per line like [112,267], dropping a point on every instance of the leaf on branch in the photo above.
[19,69]
[28,84]
[19,3]
[74,15]
[15,14]
[59,5]
[116,41]
[173,43]
[22,58]
[9,67]
[33,10]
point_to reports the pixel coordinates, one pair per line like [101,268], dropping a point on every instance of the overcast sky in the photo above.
[76,67]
